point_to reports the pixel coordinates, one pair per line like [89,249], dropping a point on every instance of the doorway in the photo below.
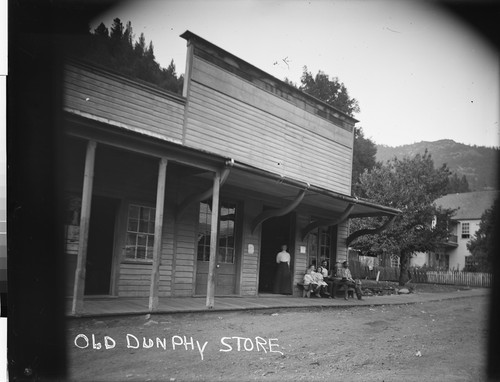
[275,232]
[100,245]
[228,253]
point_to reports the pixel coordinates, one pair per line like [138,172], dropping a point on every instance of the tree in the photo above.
[102,31]
[333,92]
[364,152]
[116,29]
[115,49]
[411,185]
[457,185]
[482,244]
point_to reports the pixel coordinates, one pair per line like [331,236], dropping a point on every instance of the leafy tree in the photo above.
[482,244]
[364,152]
[457,185]
[331,91]
[334,93]
[411,185]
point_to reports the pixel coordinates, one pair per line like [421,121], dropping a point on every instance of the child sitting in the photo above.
[310,283]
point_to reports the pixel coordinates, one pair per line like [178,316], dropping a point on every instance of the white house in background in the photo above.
[454,254]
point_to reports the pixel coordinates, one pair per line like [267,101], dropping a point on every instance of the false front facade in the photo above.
[193,195]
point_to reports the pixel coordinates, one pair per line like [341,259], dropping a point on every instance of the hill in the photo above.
[478,163]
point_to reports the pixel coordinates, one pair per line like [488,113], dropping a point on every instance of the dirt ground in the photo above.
[435,341]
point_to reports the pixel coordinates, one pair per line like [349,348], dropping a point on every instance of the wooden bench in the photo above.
[306,289]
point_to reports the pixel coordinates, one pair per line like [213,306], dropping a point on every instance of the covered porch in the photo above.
[109,307]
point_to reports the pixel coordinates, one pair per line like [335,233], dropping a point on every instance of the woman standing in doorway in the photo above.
[283,280]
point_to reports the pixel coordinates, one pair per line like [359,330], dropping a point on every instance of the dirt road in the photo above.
[435,341]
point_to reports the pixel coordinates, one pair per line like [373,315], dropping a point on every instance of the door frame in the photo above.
[115,240]
[238,246]
[292,223]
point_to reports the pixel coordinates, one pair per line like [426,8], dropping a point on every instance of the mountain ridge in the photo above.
[479,164]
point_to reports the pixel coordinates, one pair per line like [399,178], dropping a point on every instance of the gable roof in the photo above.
[471,205]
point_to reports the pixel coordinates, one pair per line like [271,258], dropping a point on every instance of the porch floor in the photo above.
[107,306]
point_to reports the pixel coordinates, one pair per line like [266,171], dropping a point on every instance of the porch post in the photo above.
[160,203]
[88,180]
[213,243]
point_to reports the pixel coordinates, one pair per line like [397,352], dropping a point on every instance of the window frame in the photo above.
[224,203]
[465,230]
[315,244]
[147,248]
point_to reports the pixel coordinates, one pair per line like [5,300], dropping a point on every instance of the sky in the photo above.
[418,73]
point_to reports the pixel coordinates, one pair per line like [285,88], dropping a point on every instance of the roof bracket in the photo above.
[370,231]
[195,198]
[322,223]
[278,212]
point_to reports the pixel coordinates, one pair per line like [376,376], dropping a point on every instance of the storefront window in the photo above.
[140,232]
[320,246]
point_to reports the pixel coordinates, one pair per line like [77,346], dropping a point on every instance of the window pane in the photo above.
[230,256]
[221,258]
[133,224]
[131,239]
[141,240]
[130,252]
[133,212]
[151,227]
[140,232]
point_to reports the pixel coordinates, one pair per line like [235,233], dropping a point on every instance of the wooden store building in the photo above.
[193,195]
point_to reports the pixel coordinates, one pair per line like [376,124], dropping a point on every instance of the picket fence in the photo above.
[473,279]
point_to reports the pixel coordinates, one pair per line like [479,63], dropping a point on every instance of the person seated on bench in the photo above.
[318,280]
[348,282]
[309,282]
[328,278]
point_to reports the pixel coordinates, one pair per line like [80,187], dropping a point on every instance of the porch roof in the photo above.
[255,180]
[263,184]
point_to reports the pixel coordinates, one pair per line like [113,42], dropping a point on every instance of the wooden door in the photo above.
[227,254]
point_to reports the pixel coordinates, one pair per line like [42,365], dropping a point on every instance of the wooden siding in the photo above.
[185,250]
[300,258]
[228,116]
[118,101]
[249,278]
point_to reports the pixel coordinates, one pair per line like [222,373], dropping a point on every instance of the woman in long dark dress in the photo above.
[283,279]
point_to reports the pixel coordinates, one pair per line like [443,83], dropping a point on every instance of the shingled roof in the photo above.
[471,205]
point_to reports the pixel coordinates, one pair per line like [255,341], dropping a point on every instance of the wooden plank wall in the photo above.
[300,258]
[250,262]
[184,266]
[119,101]
[232,117]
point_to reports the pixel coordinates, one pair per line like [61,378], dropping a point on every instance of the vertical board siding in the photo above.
[116,99]
[250,262]
[231,117]
[300,258]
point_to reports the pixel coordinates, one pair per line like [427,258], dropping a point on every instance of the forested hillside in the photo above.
[479,164]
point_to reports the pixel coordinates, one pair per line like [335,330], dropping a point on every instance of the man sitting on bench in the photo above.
[348,282]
